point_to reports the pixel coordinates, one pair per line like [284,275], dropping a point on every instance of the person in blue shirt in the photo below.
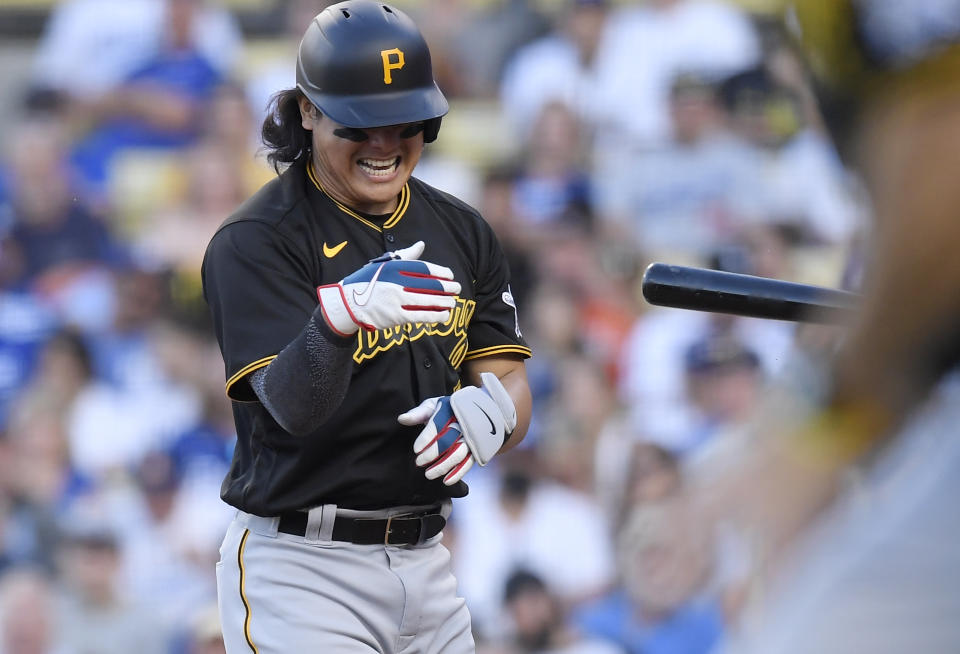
[159,105]
[664,604]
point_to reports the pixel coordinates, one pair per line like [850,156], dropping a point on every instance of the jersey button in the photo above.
[427,363]
[390,238]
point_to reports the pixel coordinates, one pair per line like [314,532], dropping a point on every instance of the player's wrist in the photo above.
[487,416]
[493,387]
[335,310]
[335,338]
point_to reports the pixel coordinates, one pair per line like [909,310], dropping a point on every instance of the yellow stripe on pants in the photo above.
[243,596]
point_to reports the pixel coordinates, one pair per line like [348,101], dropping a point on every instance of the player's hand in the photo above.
[468,426]
[393,289]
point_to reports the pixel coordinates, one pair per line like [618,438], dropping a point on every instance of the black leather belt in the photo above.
[405,529]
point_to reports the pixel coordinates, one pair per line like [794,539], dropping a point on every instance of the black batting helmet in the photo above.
[365,64]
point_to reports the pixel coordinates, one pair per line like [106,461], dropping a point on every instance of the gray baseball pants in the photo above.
[280,593]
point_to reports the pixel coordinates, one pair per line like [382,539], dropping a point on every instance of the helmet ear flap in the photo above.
[431,128]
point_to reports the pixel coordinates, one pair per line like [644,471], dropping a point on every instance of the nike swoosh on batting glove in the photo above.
[469,425]
[393,289]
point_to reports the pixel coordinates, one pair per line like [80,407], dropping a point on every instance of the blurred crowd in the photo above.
[596,137]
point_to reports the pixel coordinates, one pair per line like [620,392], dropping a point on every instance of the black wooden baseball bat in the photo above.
[702,289]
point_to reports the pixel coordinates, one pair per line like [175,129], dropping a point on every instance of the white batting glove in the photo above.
[393,289]
[468,426]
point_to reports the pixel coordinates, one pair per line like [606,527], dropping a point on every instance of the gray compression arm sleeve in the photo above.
[308,380]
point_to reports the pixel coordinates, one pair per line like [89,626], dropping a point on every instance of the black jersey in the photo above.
[260,275]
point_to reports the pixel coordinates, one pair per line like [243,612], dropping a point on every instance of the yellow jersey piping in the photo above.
[498,349]
[388,223]
[247,369]
[243,596]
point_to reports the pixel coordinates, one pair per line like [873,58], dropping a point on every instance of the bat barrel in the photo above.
[715,291]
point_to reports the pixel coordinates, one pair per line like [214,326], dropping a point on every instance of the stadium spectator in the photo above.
[645,49]
[664,604]
[514,519]
[724,381]
[554,332]
[229,122]
[159,104]
[572,420]
[95,616]
[122,417]
[653,386]
[162,567]
[64,368]
[205,449]
[90,46]
[51,231]
[201,453]
[600,279]
[173,238]
[538,622]
[25,325]
[40,480]
[556,68]
[653,474]
[496,205]
[40,416]
[29,618]
[673,199]
[788,172]
[481,42]
[552,184]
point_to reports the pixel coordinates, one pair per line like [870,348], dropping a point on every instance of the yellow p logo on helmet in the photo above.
[389,64]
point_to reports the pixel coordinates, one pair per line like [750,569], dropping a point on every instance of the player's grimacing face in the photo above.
[366,175]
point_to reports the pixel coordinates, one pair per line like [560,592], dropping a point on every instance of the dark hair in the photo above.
[282,133]
[74,344]
[522,581]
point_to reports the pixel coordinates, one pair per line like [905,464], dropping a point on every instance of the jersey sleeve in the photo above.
[259,290]
[495,326]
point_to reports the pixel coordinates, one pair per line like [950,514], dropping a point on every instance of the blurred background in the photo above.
[595,136]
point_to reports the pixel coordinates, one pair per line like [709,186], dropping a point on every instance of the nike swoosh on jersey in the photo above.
[331,252]
[362,298]
[493,429]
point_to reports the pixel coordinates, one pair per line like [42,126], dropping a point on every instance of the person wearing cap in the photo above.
[724,381]
[373,353]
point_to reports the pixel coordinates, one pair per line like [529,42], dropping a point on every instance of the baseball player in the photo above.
[873,568]
[373,352]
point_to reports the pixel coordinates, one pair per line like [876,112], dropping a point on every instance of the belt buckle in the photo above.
[403,532]
[386,534]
